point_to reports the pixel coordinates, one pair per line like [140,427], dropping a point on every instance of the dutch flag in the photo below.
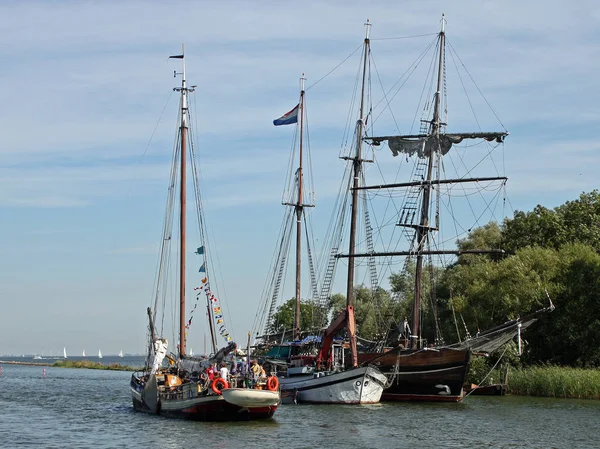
[288,118]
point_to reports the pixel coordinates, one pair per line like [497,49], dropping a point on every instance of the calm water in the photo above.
[79,408]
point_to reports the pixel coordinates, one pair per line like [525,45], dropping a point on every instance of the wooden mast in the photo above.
[299,213]
[423,228]
[356,173]
[182,201]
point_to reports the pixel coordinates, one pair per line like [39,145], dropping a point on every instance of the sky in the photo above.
[88,121]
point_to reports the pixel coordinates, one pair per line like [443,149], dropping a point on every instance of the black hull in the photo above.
[221,411]
[432,375]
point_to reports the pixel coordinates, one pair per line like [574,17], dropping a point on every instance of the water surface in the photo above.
[81,408]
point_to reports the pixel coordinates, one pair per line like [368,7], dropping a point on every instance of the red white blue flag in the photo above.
[288,118]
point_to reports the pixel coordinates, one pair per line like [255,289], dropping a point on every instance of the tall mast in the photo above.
[356,173]
[299,212]
[423,228]
[182,199]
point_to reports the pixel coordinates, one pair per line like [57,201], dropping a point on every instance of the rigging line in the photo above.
[347,126]
[469,171]
[269,287]
[404,37]
[475,84]
[491,370]
[164,264]
[407,74]
[334,69]
[141,160]
[311,181]
[431,78]
[465,91]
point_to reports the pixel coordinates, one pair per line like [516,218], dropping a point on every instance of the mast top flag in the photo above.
[288,118]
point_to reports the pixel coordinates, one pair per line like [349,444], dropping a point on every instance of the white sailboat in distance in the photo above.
[99,354]
[83,353]
[120,353]
[65,353]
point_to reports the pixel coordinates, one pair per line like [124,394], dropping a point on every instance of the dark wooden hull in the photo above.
[435,375]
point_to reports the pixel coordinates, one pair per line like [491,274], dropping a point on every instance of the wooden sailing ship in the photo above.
[323,377]
[180,389]
[419,370]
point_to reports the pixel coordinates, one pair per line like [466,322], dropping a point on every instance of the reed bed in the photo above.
[92,365]
[555,382]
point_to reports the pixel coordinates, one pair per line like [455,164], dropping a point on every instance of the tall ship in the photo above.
[321,376]
[177,384]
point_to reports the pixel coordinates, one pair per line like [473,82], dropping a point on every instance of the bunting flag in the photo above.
[202,268]
[218,313]
[200,251]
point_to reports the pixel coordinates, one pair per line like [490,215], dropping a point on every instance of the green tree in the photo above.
[571,334]
[312,316]
[373,310]
[575,221]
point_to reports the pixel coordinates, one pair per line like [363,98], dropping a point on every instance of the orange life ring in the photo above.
[219,381]
[273,383]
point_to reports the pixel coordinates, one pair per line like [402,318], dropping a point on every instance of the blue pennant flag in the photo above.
[288,118]
[202,268]
[200,250]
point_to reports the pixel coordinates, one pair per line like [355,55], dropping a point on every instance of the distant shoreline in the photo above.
[12,362]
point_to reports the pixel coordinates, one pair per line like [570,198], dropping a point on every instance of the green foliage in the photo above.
[312,316]
[574,222]
[556,382]
[487,237]
[571,334]
[92,365]
[374,311]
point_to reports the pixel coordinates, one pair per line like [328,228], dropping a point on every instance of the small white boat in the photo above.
[363,385]
[120,353]
[65,353]
[245,397]
[99,354]
[83,353]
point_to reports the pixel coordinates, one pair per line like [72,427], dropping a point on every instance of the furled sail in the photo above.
[423,144]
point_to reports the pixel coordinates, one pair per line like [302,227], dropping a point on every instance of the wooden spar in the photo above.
[433,182]
[356,172]
[422,233]
[299,213]
[424,252]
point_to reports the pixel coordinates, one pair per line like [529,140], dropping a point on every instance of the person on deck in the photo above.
[258,373]
[160,351]
[224,372]
[210,372]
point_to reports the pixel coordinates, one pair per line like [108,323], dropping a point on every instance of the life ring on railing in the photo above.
[273,383]
[219,384]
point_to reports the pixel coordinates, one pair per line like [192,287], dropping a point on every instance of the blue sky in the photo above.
[83,85]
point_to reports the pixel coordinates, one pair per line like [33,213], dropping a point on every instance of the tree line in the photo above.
[547,252]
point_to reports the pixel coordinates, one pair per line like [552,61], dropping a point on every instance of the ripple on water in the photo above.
[88,408]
